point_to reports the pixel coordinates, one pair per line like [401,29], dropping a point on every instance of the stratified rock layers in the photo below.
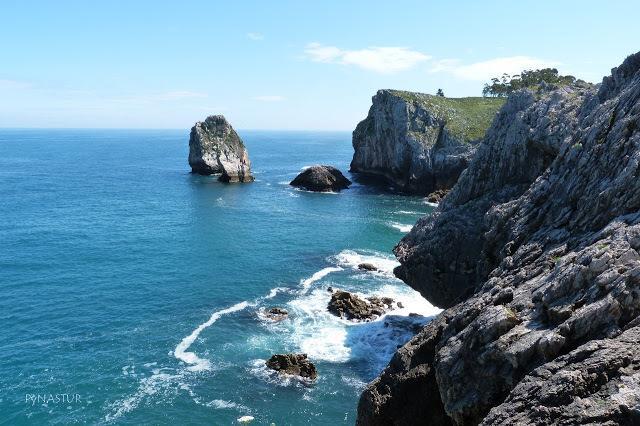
[535,253]
[420,143]
[215,148]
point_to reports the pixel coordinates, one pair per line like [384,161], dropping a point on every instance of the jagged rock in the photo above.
[437,196]
[277,314]
[536,253]
[294,365]
[367,267]
[215,148]
[420,143]
[597,383]
[349,306]
[321,179]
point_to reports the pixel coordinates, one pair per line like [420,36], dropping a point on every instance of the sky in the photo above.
[285,65]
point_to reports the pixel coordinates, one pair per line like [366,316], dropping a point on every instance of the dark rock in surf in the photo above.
[293,365]
[367,267]
[321,179]
[277,314]
[349,306]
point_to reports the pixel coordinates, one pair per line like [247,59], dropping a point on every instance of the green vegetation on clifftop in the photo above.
[465,118]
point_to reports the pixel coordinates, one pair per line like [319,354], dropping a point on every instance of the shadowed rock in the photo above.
[321,179]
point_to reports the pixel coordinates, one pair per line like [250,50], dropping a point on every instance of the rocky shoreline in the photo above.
[535,254]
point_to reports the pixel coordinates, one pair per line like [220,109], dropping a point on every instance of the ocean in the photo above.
[132,292]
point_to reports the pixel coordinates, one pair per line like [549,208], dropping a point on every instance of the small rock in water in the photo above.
[347,305]
[330,289]
[277,314]
[294,365]
[366,266]
[321,179]
[400,305]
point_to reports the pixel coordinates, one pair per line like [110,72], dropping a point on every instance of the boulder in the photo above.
[215,148]
[321,179]
[437,196]
[367,267]
[293,365]
[349,306]
[417,142]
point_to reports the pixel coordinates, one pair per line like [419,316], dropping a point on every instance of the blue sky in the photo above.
[281,64]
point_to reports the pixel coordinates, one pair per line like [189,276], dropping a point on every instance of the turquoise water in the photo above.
[136,288]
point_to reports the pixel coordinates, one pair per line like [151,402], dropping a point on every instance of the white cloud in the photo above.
[270,98]
[485,70]
[255,36]
[385,60]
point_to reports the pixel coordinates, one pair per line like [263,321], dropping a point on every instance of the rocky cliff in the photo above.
[420,143]
[215,148]
[535,253]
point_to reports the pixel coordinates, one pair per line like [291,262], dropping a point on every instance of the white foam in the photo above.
[408,212]
[429,203]
[245,419]
[306,283]
[351,259]
[401,227]
[196,363]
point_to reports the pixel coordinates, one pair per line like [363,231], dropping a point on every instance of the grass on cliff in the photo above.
[466,118]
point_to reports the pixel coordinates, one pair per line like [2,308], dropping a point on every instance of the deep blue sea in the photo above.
[137,289]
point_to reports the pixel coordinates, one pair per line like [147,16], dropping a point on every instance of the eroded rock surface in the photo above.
[321,179]
[215,148]
[418,142]
[535,252]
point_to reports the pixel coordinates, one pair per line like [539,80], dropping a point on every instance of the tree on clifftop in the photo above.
[503,86]
[440,93]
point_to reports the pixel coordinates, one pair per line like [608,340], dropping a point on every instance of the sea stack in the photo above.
[215,148]
[420,143]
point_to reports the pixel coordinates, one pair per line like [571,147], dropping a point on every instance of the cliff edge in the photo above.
[420,143]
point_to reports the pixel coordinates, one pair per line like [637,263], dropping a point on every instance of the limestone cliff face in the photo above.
[535,252]
[215,148]
[420,143]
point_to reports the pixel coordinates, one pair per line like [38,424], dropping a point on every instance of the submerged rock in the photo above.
[349,306]
[294,365]
[367,266]
[277,314]
[215,148]
[417,142]
[321,179]
[536,254]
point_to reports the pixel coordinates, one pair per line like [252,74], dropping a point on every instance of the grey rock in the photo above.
[366,266]
[321,178]
[539,268]
[293,365]
[215,148]
[419,143]
[277,314]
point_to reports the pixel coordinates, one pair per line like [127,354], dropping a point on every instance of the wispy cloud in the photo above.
[255,36]
[180,94]
[485,70]
[385,60]
[269,98]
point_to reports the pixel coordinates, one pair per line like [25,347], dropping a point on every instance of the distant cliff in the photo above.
[536,255]
[215,148]
[420,143]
